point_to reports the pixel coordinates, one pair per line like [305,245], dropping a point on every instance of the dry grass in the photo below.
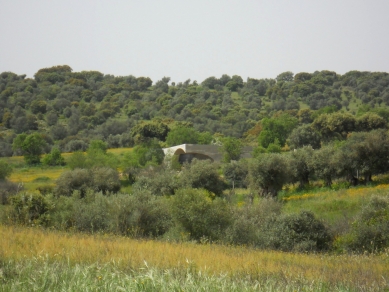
[360,271]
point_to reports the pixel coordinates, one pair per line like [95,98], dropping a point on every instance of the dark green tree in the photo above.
[32,147]
[231,149]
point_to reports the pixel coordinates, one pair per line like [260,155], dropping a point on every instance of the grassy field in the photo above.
[42,259]
[33,177]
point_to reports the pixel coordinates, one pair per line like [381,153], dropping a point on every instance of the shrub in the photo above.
[105,179]
[77,160]
[30,209]
[5,170]
[7,189]
[199,214]
[69,181]
[139,214]
[102,179]
[75,145]
[370,230]
[202,174]
[157,181]
[53,158]
[248,223]
[298,232]
[90,214]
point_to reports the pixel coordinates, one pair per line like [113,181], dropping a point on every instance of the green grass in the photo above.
[43,274]
[35,176]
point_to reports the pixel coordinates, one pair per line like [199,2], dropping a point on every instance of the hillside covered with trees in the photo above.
[70,109]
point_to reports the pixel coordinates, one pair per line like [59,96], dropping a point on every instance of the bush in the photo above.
[200,215]
[105,180]
[90,214]
[202,174]
[54,158]
[77,160]
[137,215]
[76,145]
[7,189]
[248,223]
[298,232]
[157,181]
[69,181]
[30,209]
[370,230]
[102,179]
[5,170]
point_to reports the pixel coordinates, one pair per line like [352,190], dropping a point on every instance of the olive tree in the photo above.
[268,173]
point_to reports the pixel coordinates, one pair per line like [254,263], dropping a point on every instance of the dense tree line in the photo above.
[69,109]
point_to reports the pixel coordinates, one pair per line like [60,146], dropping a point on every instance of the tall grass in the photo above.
[41,274]
[87,252]
[333,205]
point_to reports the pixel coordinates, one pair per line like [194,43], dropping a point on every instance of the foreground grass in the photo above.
[54,258]
[41,274]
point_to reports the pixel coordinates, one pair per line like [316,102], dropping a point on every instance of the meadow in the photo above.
[36,259]
[33,177]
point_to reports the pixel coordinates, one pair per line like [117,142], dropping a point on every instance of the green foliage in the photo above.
[285,76]
[7,189]
[304,136]
[299,232]
[274,147]
[102,179]
[77,160]
[157,181]
[54,158]
[250,222]
[105,180]
[325,164]
[5,170]
[202,174]
[149,130]
[301,165]
[32,147]
[77,179]
[30,209]
[369,151]
[370,230]
[336,125]
[369,122]
[231,149]
[149,153]
[268,173]
[200,215]
[182,135]
[276,128]
[236,173]
[98,146]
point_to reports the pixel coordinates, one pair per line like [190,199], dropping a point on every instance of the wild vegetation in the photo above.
[47,260]
[316,182]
